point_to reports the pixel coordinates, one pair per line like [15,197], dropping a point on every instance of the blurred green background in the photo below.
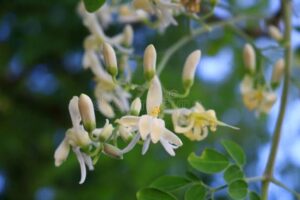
[40,59]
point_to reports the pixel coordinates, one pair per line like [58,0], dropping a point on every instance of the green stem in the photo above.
[286,6]
[172,49]
[282,185]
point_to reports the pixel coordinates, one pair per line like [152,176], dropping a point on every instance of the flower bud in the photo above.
[61,153]
[112,151]
[128,35]
[149,62]
[277,72]
[106,131]
[125,133]
[275,33]
[189,69]
[249,58]
[142,4]
[110,59]
[136,106]
[87,113]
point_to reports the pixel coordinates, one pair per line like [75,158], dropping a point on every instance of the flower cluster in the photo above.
[258,94]
[114,91]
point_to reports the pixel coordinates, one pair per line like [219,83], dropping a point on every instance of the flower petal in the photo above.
[144,125]
[171,137]
[81,164]
[61,152]
[146,145]
[129,120]
[154,96]
[132,144]
[74,111]
[157,129]
[167,146]
[106,109]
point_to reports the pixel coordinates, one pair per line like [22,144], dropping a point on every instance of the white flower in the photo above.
[106,96]
[149,127]
[163,9]
[257,97]
[195,122]
[76,137]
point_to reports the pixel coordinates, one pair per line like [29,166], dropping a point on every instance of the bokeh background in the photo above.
[40,70]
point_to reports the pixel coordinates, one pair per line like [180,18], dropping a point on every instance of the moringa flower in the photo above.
[77,138]
[149,127]
[195,122]
[257,98]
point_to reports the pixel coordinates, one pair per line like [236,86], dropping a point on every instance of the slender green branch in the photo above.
[171,50]
[286,6]
[282,185]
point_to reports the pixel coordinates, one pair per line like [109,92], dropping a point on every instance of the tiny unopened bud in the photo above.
[149,62]
[110,59]
[249,58]
[277,72]
[189,69]
[275,33]
[112,151]
[61,153]
[106,131]
[87,112]
[136,106]
[128,35]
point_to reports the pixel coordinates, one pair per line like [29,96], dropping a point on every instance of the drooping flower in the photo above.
[149,127]
[194,123]
[257,97]
[75,138]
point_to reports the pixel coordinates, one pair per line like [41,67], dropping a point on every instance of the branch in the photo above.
[286,6]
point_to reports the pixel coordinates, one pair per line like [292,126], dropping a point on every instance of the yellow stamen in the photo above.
[155,111]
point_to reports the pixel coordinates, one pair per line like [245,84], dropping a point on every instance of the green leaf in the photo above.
[169,183]
[93,5]
[238,189]
[153,194]
[210,161]
[232,173]
[254,196]
[196,192]
[235,151]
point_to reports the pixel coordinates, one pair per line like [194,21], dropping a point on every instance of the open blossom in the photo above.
[194,123]
[257,98]
[163,9]
[149,127]
[106,91]
[75,138]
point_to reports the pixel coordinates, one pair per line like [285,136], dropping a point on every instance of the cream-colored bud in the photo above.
[110,59]
[125,133]
[149,62]
[189,68]
[106,131]
[249,58]
[128,35]
[61,153]
[112,151]
[275,33]
[277,72]
[87,112]
[136,106]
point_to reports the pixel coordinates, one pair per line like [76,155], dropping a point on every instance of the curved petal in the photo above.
[176,122]
[88,161]
[146,145]
[144,126]
[157,129]
[74,111]
[81,164]
[61,152]
[171,138]
[106,109]
[167,146]
[129,120]
[154,96]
